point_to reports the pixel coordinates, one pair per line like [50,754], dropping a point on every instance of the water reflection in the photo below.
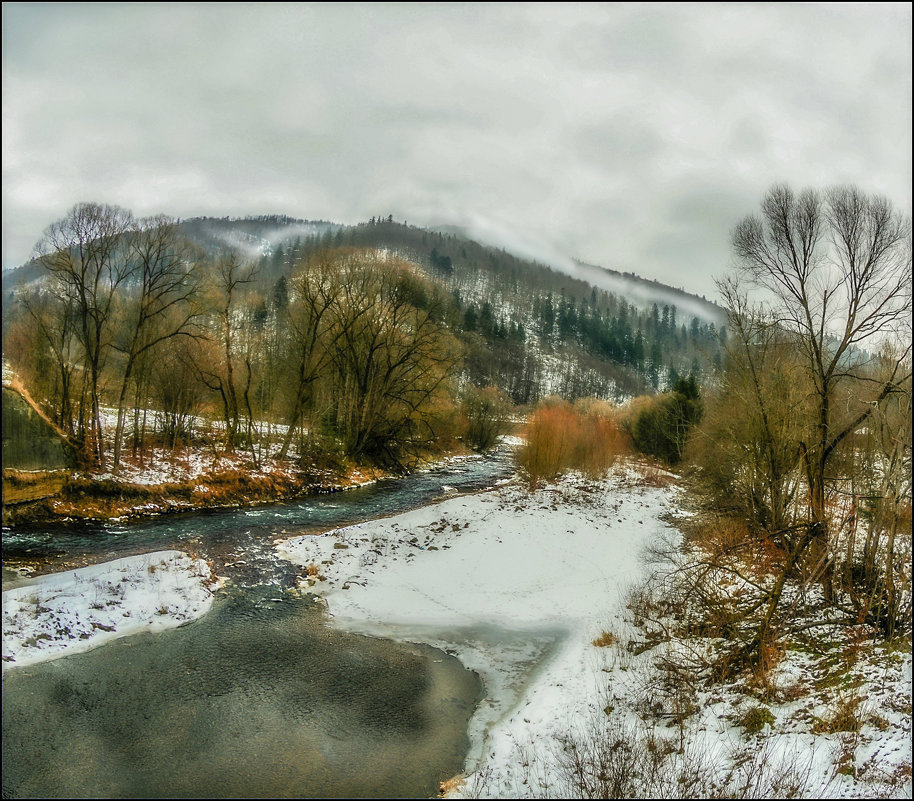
[258,698]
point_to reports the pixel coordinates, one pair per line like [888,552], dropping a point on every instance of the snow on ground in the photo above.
[162,465]
[798,737]
[518,585]
[80,609]
[182,463]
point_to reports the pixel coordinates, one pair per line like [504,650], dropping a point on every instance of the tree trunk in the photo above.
[121,413]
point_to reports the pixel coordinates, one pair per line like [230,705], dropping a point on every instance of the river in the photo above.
[260,697]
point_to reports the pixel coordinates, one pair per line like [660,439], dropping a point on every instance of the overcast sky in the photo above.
[631,136]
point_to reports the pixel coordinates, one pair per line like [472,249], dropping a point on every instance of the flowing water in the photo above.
[240,540]
[260,697]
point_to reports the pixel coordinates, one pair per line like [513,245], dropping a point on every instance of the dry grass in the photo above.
[725,535]
[769,657]
[449,786]
[21,487]
[605,640]
[609,759]
[105,499]
[846,716]
[654,475]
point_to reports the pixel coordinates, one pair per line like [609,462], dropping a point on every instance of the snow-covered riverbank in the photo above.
[519,585]
[82,609]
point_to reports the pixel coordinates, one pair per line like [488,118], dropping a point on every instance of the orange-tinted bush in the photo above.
[561,437]
[551,432]
[599,443]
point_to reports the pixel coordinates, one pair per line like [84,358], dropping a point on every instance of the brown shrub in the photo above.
[562,437]
[771,556]
[600,442]
[728,534]
[551,433]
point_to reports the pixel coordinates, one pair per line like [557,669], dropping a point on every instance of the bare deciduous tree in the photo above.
[85,253]
[159,306]
[228,275]
[837,270]
[315,290]
[48,325]
[748,445]
[393,358]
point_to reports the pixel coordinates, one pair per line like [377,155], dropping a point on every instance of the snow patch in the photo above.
[77,610]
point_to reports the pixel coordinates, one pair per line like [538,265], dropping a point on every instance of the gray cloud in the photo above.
[624,135]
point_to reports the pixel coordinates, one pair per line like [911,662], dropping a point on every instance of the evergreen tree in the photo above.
[486,320]
[655,364]
[662,429]
[280,299]
[547,317]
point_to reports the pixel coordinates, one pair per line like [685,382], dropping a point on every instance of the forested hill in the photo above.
[528,328]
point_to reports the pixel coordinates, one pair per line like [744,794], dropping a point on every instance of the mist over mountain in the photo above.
[253,236]
[640,291]
[644,292]
[529,327]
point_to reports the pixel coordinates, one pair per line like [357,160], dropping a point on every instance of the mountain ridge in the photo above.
[530,328]
[205,230]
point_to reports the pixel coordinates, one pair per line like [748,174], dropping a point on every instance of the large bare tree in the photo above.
[160,303]
[227,277]
[316,287]
[393,358]
[85,253]
[835,270]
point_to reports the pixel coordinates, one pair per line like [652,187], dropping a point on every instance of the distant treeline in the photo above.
[513,312]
